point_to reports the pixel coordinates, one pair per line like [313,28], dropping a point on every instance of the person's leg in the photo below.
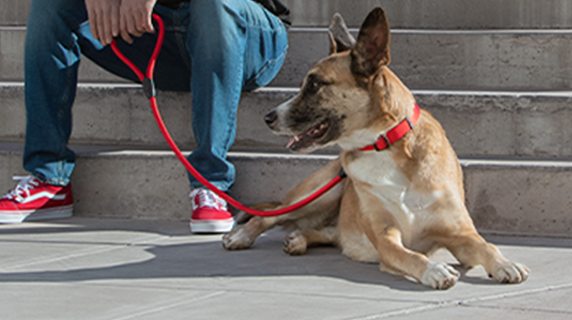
[50,64]
[58,34]
[233,45]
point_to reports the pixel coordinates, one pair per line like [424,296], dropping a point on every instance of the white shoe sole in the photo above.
[211,226]
[36,215]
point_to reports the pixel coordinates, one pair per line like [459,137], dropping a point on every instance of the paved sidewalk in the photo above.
[120,269]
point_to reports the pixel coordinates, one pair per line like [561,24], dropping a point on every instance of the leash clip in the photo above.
[149,87]
[342,174]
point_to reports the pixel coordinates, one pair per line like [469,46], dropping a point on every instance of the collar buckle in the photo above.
[387,142]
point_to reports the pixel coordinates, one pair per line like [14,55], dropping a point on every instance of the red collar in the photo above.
[392,135]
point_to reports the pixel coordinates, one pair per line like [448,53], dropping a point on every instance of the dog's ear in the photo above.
[372,47]
[340,37]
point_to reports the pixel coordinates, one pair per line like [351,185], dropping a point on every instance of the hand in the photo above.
[103,18]
[111,18]
[135,18]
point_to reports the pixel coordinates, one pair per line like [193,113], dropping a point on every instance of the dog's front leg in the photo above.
[472,250]
[396,259]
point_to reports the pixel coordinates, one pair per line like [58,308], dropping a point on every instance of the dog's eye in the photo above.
[313,85]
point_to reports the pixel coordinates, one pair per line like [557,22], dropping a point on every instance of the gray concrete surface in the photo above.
[459,59]
[497,60]
[439,14]
[478,123]
[133,269]
[518,196]
[14,12]
[94,267]
[412,14]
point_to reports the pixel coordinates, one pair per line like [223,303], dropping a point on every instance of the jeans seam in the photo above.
[266,65]
[178,29]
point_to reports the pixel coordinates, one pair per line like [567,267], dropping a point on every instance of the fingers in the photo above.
[92,14]
[135,18]
[103,18]
[114,22]
[123,31]
[148,23]
[110,25]
[126,18]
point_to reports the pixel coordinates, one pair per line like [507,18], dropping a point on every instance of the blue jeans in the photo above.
[230,46]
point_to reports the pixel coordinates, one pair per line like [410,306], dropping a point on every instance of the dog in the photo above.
[403,197]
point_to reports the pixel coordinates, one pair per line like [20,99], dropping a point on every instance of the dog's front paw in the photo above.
[239,238]
[295,244]
[440,275]
[511,272]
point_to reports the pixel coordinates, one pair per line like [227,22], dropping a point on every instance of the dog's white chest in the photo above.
[386,183]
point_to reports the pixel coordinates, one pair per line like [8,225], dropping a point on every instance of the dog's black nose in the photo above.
[271,118]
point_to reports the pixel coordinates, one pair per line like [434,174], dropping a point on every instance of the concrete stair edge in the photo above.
[510,196]
[478,123]
[494,60]
[443,14]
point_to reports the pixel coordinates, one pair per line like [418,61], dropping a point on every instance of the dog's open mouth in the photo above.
[309,137]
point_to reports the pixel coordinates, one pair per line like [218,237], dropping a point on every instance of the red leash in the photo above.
[149,88]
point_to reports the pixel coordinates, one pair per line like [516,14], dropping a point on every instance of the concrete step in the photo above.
[14,12]
[440,14]
[459,59]
[416,14]
[120,115]
[506,124]
[525,197]
[424,59]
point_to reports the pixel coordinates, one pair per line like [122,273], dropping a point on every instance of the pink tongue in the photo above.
[293,140]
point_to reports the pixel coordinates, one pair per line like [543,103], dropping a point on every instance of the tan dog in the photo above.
[398,204]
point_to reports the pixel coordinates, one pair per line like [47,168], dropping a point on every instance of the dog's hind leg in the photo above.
[314,215]
[297,242]
[243,236]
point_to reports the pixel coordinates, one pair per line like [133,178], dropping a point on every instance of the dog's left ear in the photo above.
[340,37]
[372,47]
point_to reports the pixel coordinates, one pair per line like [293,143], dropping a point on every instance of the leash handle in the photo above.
[149,88]
[152,61]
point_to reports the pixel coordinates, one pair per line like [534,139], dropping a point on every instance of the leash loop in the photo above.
[149,89]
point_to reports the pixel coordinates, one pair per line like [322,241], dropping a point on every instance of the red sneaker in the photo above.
[33,200]
[210,213]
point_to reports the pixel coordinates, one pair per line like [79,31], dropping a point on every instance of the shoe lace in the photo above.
[23,188]
[207,198]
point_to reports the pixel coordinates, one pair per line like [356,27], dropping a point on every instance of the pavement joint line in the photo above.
[517,308]
[401,312]
[172,305]
[81,253]
[463,302]
[513,294]
[128,285]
